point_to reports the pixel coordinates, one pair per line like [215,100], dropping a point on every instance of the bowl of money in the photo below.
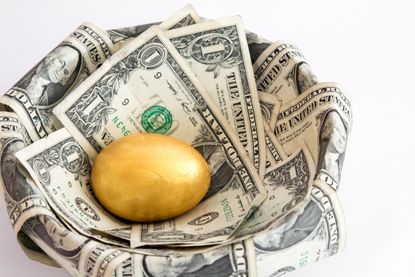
[273,136]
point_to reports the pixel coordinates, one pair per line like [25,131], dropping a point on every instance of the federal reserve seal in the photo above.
[157,119]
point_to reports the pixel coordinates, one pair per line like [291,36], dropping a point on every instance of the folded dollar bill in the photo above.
[273,136]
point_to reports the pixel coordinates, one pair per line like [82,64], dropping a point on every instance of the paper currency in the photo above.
[235,259]
[32,250]
[146,87]
[288,182]
[322,117]
[77,254]
[316,232]
[61,170]
[217,53]
[282,70]
[25,200]
[149,86]
[288,185]
[42,88]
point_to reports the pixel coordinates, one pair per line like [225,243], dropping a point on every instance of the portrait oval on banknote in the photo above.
[53,77]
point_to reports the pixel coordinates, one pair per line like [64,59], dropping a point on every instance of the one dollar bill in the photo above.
[61,170]
[22,197]
[288,185]
[321,117]
[217,53]
[315,232]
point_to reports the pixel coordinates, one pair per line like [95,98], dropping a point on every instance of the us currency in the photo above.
[270,106]
[77,254]
[217,53]
[147,87]
[282,70]
[61,170]
[235,259]
[23,199]
[52,79]
[315,232]
[322,117]
[288,182]
[32,250]
[184,17]
[288,185]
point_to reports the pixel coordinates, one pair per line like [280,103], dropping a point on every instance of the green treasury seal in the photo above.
[156,119]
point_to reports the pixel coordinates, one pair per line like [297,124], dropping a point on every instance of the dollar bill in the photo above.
[44,86]
[61,170]
[77,254]
[284,239]
[307,236]
[288,182]
[147,87]
[288,185]
[23,199]
[270,106]
[322,117]
[235,259]
[282,70]
[33,251]
[314,232]
[217,53]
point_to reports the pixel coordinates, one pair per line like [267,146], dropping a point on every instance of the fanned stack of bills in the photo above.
[273,135]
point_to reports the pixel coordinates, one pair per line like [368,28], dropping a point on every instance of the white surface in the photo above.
[367,46]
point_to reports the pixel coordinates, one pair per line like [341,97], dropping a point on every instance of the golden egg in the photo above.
[149,177]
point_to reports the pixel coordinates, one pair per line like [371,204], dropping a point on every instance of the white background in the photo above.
[367,46]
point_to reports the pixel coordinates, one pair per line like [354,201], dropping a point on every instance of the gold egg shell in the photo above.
[149,177]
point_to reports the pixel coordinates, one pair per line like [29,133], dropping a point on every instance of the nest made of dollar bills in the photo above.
[273,135]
